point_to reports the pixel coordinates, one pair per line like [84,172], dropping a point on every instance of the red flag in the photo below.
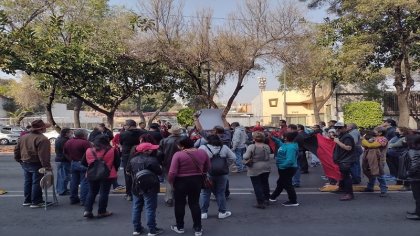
[325,152]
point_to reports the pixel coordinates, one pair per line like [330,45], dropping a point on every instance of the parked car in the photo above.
[53,134]
[13,129]
[8,137]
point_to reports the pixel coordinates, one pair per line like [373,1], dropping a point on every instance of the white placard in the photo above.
[210,117]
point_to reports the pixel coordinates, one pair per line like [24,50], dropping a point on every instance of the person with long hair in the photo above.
[259,155]
[186,175]
[103,150]
[215,147]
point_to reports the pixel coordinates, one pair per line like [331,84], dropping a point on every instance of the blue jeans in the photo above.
[218,190]
[356,171]
[149,201]
[382,183]
[32,189]
[102,187]
[296,177]
[239,152]
[78,176]
[63,177]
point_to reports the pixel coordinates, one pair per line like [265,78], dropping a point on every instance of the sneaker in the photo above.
[222,215]
[140,232]
[177,230]
[105,214]
[204,216]
[39,205]
[272,200]
[198,232]
[26,204]
[290,204]
[157,231]
[88,214]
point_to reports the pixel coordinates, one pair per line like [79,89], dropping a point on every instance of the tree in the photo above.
[381,33]
[185,117]
[366,114]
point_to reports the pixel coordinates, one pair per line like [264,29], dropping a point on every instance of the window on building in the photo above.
[275,119]
[296,120]
[273,102]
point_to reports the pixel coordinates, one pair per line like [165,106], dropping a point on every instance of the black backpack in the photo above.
[219,165]
[144,181]
[97,170]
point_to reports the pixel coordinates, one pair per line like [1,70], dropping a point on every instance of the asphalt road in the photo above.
[318,214]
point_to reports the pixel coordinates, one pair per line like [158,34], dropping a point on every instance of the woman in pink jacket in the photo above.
[101,150]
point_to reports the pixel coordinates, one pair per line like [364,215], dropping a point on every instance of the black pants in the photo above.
[227,191]
[415,187]
[102,187]
[392,160]
[285,182]
[261,187]
[188,187]
[128,183]
[346,182]
[303,161]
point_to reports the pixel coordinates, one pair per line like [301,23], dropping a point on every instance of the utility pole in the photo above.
[284,95]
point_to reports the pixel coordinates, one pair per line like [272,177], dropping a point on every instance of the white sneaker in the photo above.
[198,233]
[224,215]
[204,216]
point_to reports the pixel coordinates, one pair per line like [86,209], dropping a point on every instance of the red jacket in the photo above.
[75,148]
[109,158]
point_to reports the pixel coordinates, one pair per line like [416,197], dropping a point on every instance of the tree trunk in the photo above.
[402,91]
[139,110]
[110,119]
[50,117]
[164,104]
[315,103]
[238,88]
[77,106]
[403,108]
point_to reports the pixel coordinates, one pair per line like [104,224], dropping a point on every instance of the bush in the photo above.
[185,117]
[366,114]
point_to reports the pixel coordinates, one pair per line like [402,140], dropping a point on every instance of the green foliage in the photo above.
[185,117]
[366,114]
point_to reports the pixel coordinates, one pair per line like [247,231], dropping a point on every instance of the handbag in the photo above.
[97,170]
[207,183]
[250,161]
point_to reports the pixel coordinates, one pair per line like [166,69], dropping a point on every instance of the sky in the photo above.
[221,9]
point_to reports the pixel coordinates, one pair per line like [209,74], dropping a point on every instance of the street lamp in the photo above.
[262,83]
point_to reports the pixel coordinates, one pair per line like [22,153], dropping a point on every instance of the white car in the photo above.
[8,137]
[53,135]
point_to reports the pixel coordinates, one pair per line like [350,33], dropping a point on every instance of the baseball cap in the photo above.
[142,147]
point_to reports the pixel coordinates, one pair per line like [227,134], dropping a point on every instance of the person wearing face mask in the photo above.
[397,146]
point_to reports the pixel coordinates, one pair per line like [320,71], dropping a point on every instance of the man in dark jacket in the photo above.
[391,126]
[142,160]
[63,164]
[344,156]
[73,150]
[33,152]
[167,148]
[129,138]
[413,173]
[155,132]
[101,129]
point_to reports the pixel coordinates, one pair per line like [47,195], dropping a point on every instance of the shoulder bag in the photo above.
[206,182]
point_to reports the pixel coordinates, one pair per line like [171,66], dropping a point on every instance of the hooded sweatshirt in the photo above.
[239,138]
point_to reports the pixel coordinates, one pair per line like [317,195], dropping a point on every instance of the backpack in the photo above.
[97,170]
[219,165]
[144,181]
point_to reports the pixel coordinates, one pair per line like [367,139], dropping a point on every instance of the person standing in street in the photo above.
[344,156]
[128,139]
[186,175]
[239,139]
[33,152]
[101,150]
[356,171]
[413,173]
[74,149]
[259,155]
[146,194]
[167,148]
[63,164]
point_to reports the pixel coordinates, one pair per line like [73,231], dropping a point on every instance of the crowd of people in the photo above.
[196,165]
